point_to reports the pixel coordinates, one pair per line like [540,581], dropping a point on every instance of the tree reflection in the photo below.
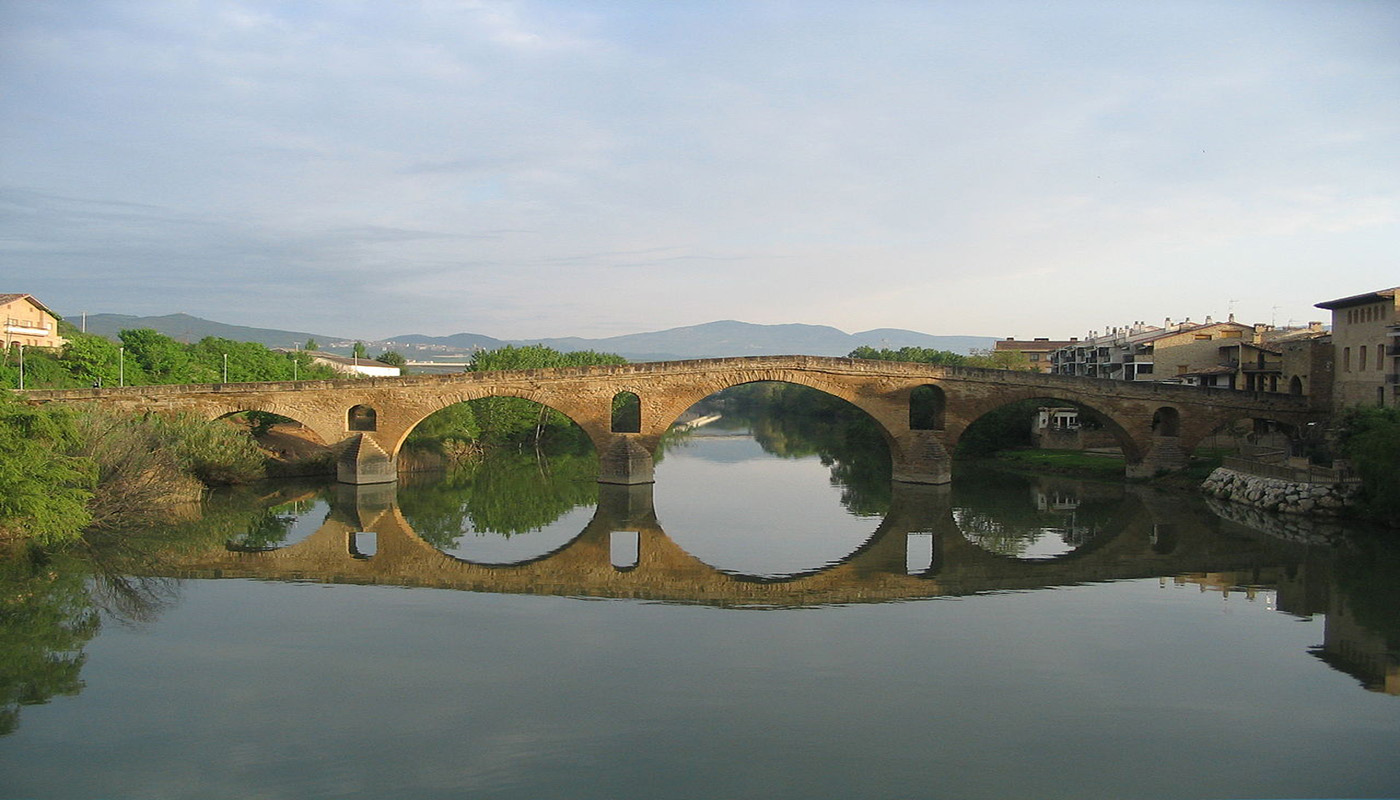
[46,618]
[506,493]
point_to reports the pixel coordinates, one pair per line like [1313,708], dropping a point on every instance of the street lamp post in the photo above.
[21,367]
[225,367]
[121,366]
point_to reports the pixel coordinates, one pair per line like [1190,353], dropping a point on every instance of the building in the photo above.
[1037,351]
[1229,354]
[356,366]
[1366,348]
[28,322]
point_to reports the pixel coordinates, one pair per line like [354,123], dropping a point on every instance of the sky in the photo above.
[539,169]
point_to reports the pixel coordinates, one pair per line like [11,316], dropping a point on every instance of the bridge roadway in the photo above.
[368,419]
[1149,535]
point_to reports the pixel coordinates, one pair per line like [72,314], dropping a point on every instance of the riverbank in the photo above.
[1285,497]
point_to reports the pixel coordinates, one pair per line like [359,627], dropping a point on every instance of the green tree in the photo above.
[1001,359]
[91,359]
[1370,437]
[312,344]
[161,358]
[358,351]
[918,355]
[392,358]
[43,493]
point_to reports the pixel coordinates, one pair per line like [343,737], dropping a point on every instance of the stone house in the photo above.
[1366,348]
[28,322]
[1037,350]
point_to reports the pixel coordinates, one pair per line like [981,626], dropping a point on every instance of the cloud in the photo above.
[997,168]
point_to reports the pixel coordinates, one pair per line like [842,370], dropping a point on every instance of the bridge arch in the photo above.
[553,402]
[973,412]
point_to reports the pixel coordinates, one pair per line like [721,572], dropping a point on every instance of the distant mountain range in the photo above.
[710,340]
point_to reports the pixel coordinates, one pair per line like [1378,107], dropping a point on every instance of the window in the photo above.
[1361,360]
[1346,359]
[1203,337]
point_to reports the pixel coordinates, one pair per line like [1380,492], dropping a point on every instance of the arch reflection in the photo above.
[943,561]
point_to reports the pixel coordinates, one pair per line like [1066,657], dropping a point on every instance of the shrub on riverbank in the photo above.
[1370,438]
[148,464]
[44,491]
[63,471]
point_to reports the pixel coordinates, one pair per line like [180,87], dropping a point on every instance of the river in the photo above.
[769,620]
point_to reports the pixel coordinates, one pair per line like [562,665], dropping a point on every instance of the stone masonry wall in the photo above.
[1272,494]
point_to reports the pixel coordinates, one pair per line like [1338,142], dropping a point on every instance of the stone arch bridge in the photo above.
[921,409]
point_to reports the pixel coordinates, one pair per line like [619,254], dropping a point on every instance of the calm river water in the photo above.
[756,625]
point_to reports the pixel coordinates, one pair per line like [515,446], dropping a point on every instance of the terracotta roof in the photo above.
[1193,329]
[12,296]
[1031,344]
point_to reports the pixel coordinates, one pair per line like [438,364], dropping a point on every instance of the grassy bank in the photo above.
[64,471]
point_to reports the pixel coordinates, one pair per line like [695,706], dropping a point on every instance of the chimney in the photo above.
[1315,327]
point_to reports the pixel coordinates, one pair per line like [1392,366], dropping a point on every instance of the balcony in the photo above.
[27,329]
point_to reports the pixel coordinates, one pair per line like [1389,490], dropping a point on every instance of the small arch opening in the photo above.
[1166,421]
[363,544]
[361,418]
[926,408]
[625,549]
[918,552]
[1295,385]
[626,413]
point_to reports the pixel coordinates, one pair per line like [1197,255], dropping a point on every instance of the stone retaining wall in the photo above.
[1273,494]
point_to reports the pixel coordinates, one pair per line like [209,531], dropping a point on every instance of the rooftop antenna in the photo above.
[1273,320]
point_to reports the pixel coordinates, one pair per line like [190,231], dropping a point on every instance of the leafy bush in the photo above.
[1370,437]
[43,492]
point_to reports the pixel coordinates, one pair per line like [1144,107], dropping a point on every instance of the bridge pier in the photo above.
[919,457]
[1163,455]
[623,460]
[363,461]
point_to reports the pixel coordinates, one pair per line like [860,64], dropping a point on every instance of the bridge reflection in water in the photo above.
[919,550]
[923,548]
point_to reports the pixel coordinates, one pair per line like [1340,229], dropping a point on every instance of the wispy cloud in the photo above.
[997,168]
